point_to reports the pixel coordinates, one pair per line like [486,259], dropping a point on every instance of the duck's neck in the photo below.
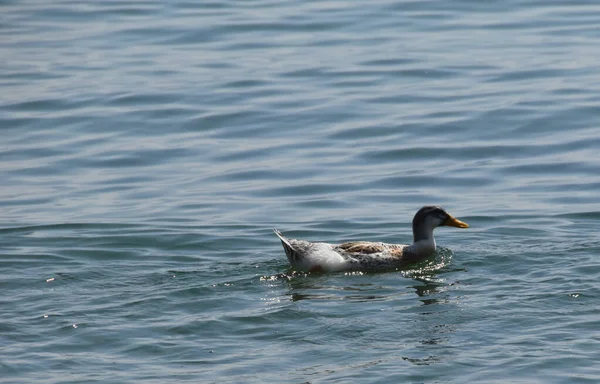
[423,248]
[422,232]
[423,241]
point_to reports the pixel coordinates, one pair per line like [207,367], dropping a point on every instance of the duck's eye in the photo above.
[442,218]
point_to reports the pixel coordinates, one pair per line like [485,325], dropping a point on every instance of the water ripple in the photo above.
[148,149]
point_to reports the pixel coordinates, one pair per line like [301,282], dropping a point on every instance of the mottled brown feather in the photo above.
[397,252]
[361,247]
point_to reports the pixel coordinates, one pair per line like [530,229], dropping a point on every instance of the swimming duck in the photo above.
[369,256]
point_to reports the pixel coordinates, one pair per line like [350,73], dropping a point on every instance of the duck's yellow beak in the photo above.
[454,222]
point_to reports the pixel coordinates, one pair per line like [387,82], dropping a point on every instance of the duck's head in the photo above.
[430,217]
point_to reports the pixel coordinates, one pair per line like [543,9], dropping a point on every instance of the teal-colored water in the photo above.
[148,148]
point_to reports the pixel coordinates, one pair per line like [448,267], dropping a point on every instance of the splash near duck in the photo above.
[370,256]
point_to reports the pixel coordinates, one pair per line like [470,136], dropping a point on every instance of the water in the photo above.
[148,149]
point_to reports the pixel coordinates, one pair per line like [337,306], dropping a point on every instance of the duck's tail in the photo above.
[294,257]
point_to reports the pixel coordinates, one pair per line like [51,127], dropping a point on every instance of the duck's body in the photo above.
[368,256]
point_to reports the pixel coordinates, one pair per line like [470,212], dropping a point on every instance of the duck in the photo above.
[306,256]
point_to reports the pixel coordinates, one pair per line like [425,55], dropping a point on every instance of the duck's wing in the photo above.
[370,248]
[364,255]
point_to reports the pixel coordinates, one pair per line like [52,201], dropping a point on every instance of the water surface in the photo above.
[148,149]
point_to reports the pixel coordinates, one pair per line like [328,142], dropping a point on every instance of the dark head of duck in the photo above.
[430,217]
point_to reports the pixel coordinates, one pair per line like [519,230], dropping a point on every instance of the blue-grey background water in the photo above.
[148,148]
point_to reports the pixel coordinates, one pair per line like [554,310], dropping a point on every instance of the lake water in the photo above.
[148,148]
